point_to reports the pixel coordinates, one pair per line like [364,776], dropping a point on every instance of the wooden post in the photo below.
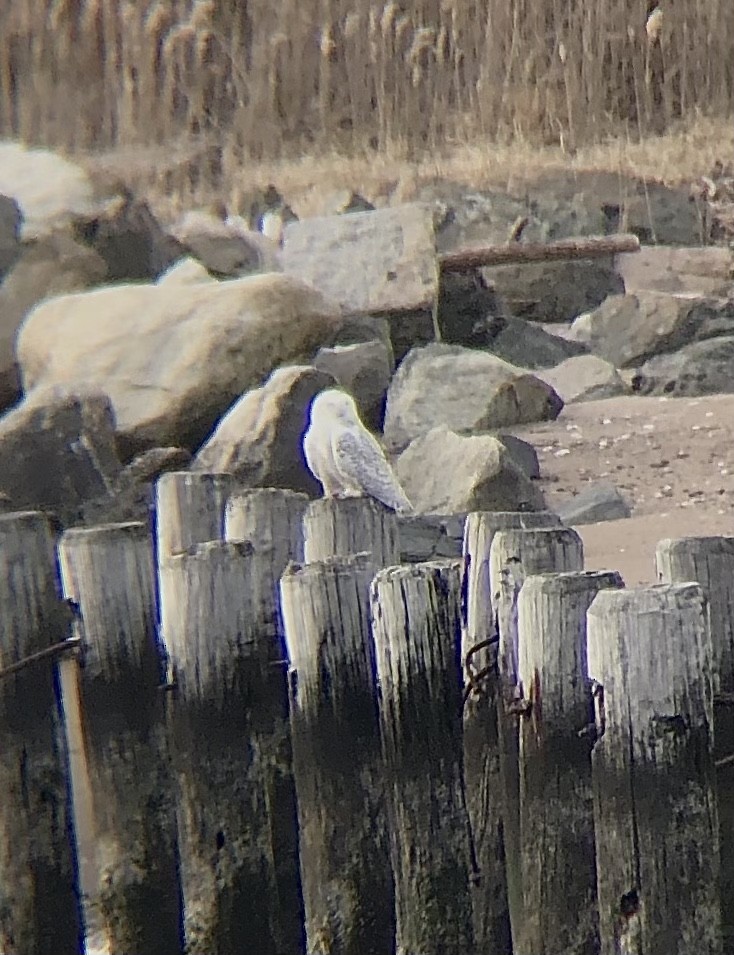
[40,912]
[343,527]
[216,602]
[653,772]
[513,556]
[481,743]
[268,517]
[109,573]
[271,519]
[558,867]
[190,509]
[710,562]
[416,628]
[345,859]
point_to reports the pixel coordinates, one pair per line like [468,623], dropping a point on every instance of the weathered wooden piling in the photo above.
[345,860]
[342,527]
[710,562]
[481,743]
[271,519]
[109,572]
[514,555]
[417,630]
[558,869]
[216,601]
[190,508]
[653,772]
[40,912]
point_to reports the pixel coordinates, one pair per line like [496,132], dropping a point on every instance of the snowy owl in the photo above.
[342,454]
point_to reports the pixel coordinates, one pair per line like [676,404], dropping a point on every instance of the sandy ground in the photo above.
[671,458]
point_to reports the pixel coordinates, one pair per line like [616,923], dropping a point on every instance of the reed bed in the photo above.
[220,83]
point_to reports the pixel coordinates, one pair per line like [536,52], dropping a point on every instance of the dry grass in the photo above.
[203,96]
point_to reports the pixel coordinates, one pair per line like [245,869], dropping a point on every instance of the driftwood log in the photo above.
[591,247]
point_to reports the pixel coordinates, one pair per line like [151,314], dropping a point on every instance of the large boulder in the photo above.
[11,219]
[702,270]
[584,378]
[445,473]
[464,390]
[225,247]
[593,504]
[382,262]
[259,440]
[629,329]
[132,496]
[52,192]
[129,238]
[57,453]
[187,271]
[174,358]
[364,370]
[53,265]
[554,291]
[701,368]
[471,313]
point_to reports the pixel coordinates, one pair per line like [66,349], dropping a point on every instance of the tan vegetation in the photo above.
[202,89]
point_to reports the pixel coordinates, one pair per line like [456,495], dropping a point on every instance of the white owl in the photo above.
[343,455]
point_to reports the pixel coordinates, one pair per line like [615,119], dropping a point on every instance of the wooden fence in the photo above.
[292,742]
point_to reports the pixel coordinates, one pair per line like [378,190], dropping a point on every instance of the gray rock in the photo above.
[598,502]
[259,439]
[523,454]
[225,248]
[471,313]
[629,329]
[584,378]
[445,473]
[465,302]
[465,390]
[128,237]
[430,536]
[702,270]
[132,496]
[173,359]
[382,262]
[527,345]
[343,202]
[51,191]
[10,224]
[554,291]
[186,271]
[366,328]
[364,370]
[701,368]
[58,452]
[370,262]
[53,265]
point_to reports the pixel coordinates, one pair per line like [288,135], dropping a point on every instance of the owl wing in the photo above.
[363,463]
